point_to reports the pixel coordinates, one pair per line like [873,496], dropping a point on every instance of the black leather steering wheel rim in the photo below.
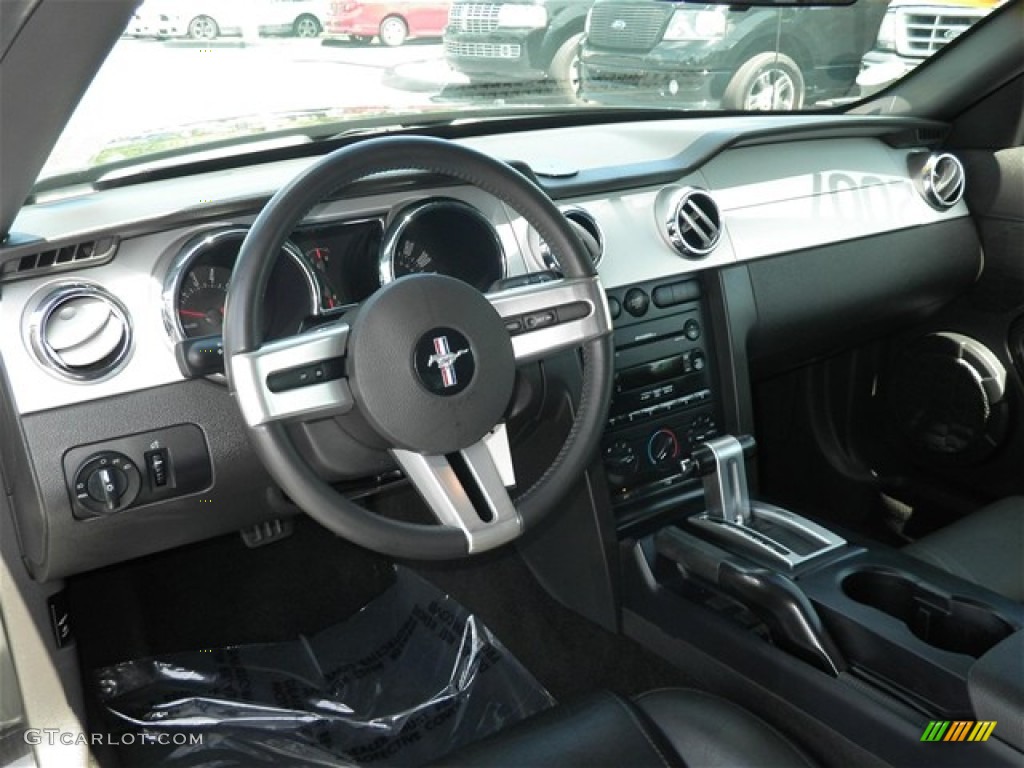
[243,334]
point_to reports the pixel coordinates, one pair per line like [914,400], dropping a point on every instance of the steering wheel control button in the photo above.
[107,482]
[444,361]
[540,320]
[306,375]
[431,364]
[636,302]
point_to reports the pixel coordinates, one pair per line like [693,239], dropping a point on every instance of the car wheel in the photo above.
[306,26]
[203,28]
[565,67]
[766,82]
[393,31]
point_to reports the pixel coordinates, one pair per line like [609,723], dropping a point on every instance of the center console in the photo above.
[745,581]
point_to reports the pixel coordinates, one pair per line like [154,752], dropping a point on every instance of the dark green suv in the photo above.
[516,41]
[731,57]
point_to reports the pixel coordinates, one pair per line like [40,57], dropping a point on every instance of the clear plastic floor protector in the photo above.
[408,679]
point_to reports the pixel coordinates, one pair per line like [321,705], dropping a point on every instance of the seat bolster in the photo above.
[984,548]
[601,731]
[708,731]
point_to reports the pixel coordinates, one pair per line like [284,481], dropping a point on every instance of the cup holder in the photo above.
[944,621]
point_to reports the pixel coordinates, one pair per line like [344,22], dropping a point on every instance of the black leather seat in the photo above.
[665,728]
[986,548]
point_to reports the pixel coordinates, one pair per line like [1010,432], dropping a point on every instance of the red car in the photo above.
[393,21]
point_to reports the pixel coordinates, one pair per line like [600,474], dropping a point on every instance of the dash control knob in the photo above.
[620,462]
[105,483]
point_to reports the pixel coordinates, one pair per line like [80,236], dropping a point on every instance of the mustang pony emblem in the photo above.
[445,359]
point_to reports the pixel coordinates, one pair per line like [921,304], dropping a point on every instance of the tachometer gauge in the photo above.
[199,275]
[201,298]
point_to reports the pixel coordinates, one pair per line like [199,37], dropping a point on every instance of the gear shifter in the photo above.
[764,531]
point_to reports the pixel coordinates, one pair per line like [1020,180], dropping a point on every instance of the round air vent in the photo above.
[80,332]
[946,395]
[694,223]
[587,229]
[939,178]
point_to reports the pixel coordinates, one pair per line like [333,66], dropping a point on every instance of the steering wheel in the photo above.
[427,361]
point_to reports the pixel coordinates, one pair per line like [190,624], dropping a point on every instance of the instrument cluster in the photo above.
[332,264]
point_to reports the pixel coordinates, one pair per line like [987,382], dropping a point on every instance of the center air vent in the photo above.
[694,223]
[939,178]
[587,229]
[80,332]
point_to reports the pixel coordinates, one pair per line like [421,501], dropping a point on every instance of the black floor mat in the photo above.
[219,593]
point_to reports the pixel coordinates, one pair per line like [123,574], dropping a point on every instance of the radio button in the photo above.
[614,307]
[636,302]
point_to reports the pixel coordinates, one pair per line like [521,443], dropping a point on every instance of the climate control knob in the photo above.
[662,447]
[620,461]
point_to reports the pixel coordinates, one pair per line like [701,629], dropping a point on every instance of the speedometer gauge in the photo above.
[445,236]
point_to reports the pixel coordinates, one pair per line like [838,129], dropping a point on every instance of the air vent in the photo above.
[939,178]
[70,256]
[80,332]
[694,223]
[590,233]
[585,221]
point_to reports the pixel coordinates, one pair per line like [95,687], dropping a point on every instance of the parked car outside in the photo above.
[391,21]
[210,19]
[739,58]
[516,41]
[913,30]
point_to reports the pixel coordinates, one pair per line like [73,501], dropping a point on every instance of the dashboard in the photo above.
[719,242]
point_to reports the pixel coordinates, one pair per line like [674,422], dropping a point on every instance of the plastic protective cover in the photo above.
[409,678]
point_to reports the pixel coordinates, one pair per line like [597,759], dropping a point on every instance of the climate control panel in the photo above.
[664,400]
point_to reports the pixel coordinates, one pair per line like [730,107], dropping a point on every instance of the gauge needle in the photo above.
[191,313]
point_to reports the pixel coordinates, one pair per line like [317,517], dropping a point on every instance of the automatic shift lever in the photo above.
[722,463]
[768,532]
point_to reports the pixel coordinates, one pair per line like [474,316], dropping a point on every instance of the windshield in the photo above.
[214,75]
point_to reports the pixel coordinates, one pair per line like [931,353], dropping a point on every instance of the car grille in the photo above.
[483,50]
[628,27]
[473,18]
[922,34]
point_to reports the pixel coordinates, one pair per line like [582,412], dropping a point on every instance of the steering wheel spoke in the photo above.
[548,317]
[467,490]
[294,379]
